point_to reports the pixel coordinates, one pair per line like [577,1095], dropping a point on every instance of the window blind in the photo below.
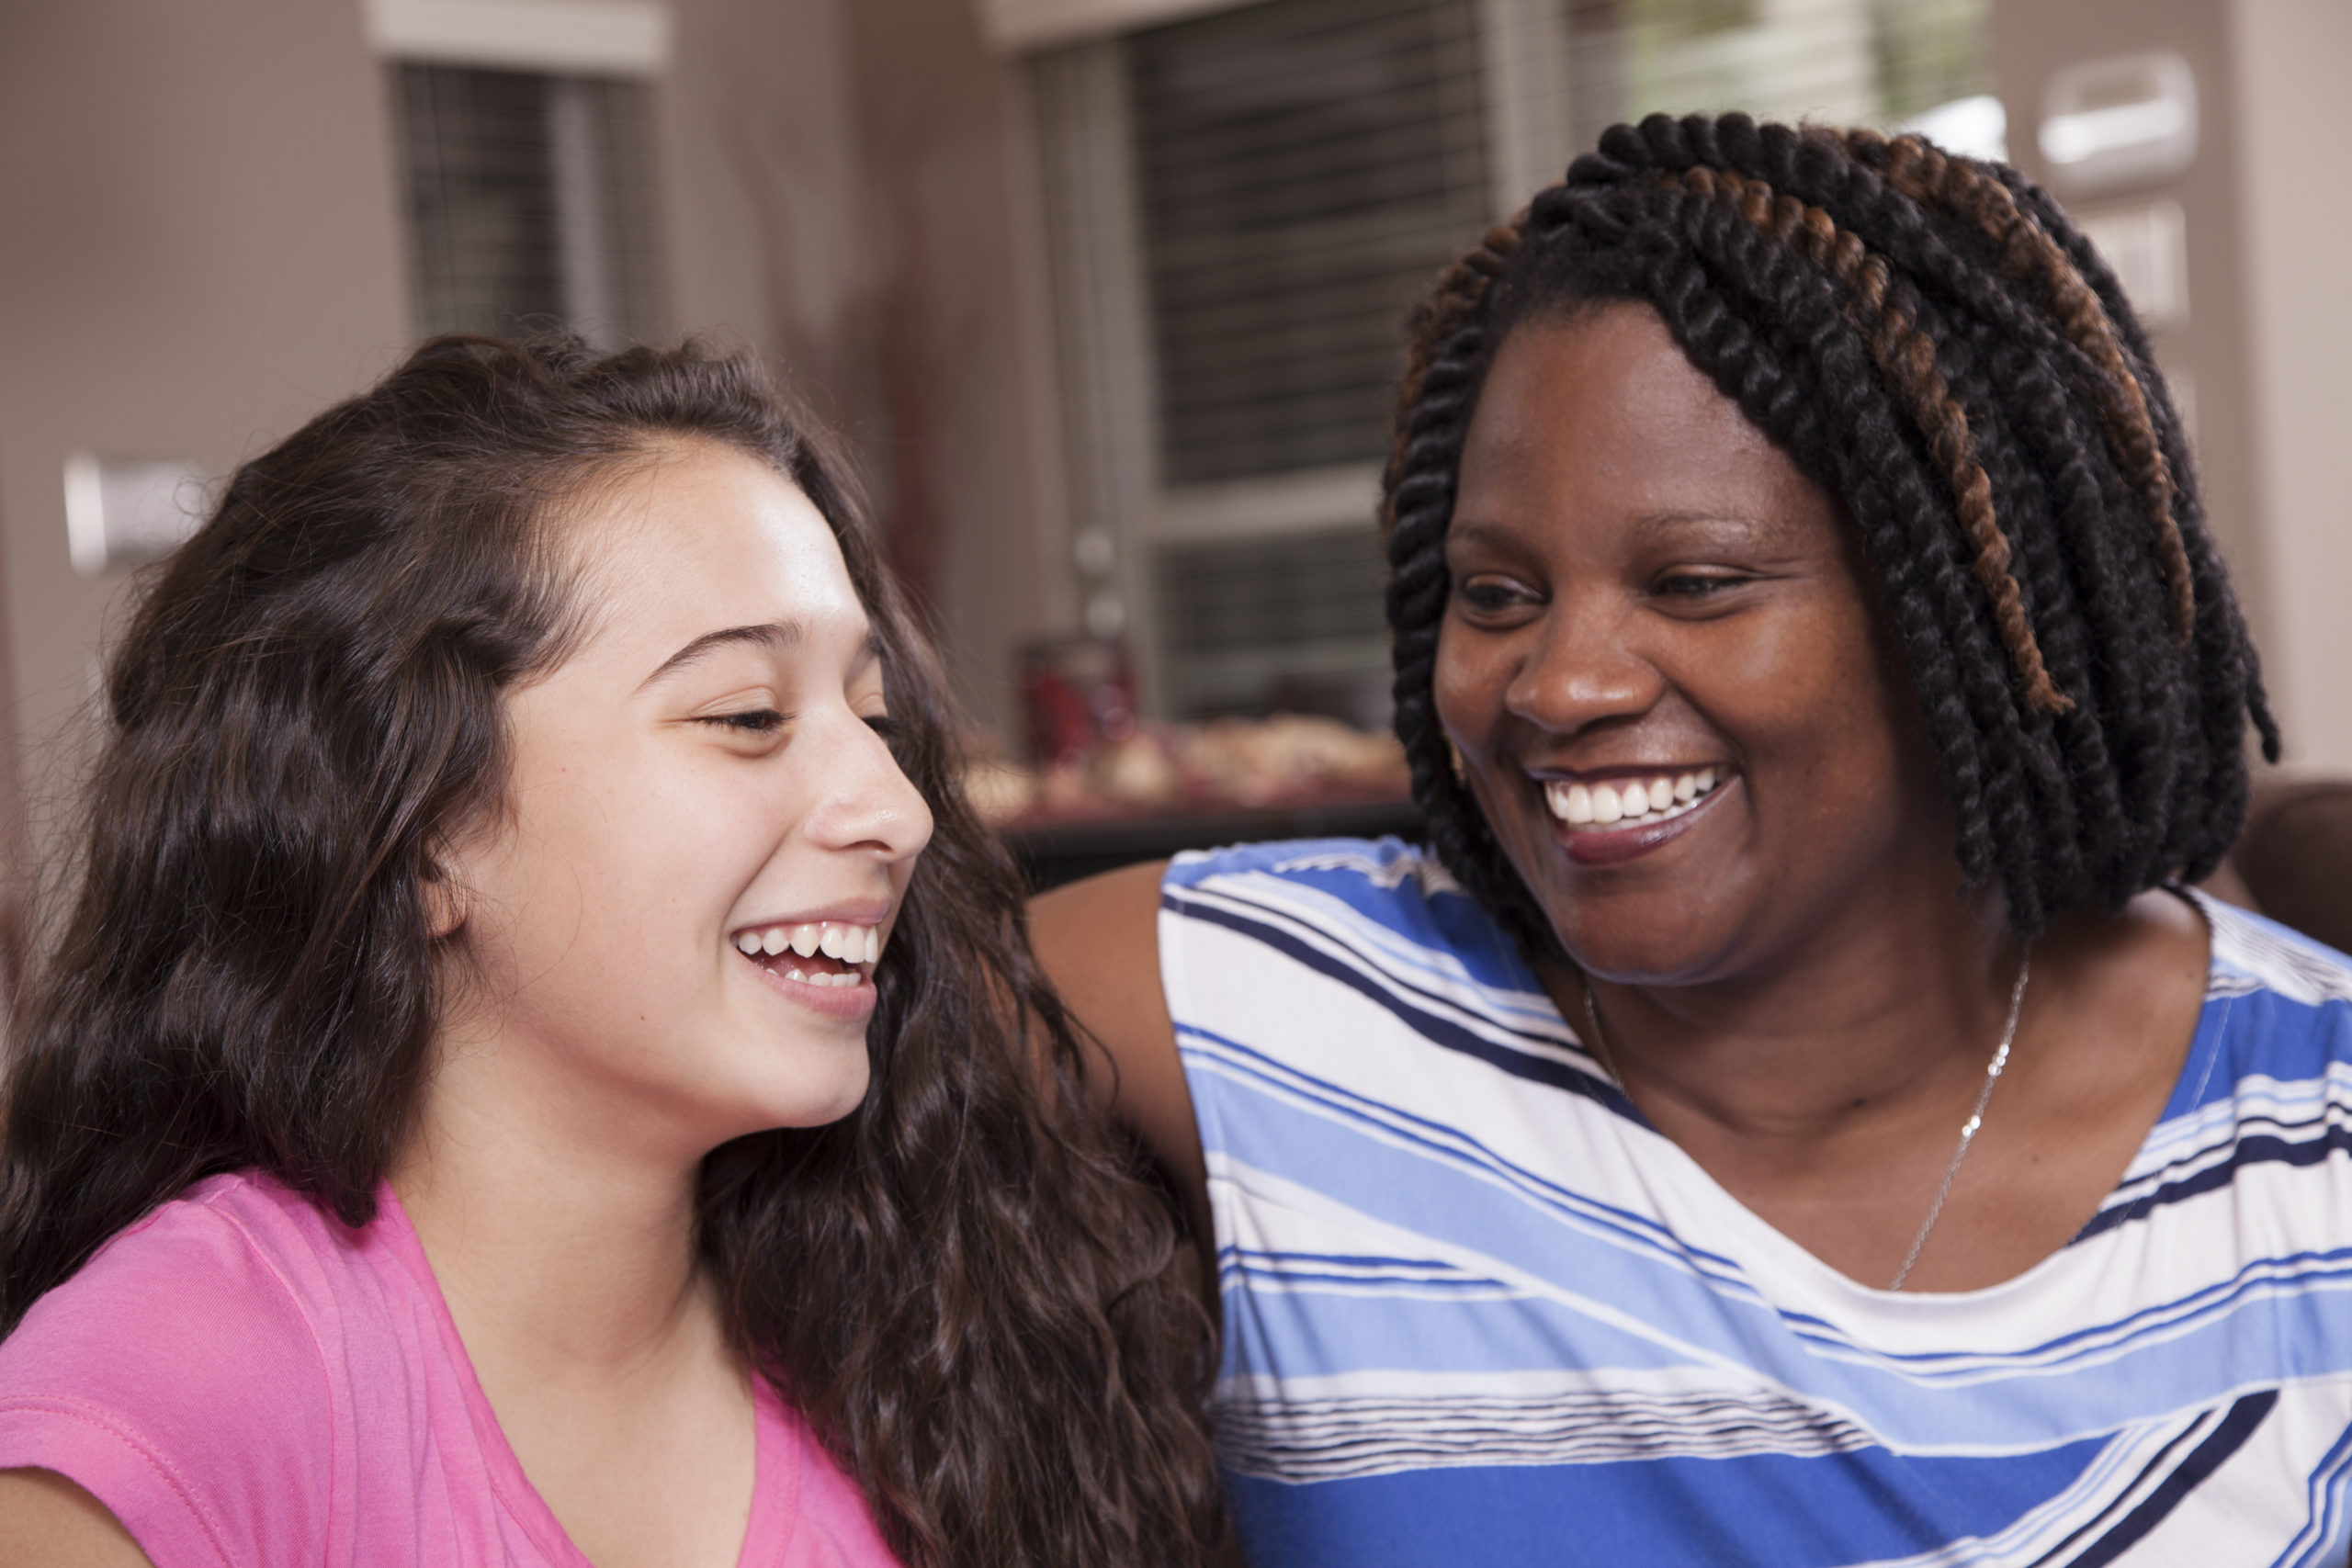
[1293,622]
[1837,62]
[1303,168]
[527,202]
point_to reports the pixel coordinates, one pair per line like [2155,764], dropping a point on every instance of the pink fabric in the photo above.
[247,1382]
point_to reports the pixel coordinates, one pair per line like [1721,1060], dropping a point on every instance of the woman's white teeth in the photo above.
[837,940]
[1604,806]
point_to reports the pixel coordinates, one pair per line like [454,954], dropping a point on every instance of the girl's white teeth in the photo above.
[1603,805]
[825,977]
[837,940]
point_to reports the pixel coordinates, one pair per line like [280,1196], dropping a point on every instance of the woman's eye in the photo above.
[1491,595]
[750,721]
[1695,584]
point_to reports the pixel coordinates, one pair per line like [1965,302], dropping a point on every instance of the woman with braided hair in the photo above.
[1795,1111]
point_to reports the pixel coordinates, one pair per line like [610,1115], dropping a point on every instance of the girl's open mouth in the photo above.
[816,953]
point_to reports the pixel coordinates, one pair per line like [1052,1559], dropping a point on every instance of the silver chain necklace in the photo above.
[1967,1131]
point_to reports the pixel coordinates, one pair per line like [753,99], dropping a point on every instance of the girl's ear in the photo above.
[445,906]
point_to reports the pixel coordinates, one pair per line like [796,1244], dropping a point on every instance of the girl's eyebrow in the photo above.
[772,635]
[769,635]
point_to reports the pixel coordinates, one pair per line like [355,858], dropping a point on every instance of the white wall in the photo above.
[2294,70]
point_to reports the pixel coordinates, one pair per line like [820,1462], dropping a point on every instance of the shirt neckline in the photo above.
[1750,1234]
[775,1461]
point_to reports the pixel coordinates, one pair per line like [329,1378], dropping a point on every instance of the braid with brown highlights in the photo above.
[1906,357]
[1934,343]
[1920,169]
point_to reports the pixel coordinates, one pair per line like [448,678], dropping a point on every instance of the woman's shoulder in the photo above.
[184,1374]
[2278,1008]
[1389,864]
[2252,954]
[1386,902]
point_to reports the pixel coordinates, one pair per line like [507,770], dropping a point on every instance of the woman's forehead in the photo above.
[1603,407]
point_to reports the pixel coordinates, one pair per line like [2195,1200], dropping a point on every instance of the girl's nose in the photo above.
[868,802]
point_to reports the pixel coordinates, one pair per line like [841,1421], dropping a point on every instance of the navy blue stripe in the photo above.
[2208,1457]
[1437,1030]
[2099,1518]
[1366,1259]
[2259,1149]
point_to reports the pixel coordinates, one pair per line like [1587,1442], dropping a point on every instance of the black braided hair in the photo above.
[1933,342]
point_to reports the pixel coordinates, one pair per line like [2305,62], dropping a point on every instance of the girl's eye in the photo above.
[751,721]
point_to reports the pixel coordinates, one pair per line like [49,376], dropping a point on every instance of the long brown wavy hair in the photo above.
[963,1285]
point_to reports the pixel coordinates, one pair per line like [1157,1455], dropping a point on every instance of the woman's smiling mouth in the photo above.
[1633,803]
[1611,821]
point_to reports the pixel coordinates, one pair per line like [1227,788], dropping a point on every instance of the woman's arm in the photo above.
[46,1521]
[1098,940]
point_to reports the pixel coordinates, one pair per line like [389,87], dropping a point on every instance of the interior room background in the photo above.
[1107,294]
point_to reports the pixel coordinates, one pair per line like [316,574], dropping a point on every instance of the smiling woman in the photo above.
[1795,1111]
[544,1066]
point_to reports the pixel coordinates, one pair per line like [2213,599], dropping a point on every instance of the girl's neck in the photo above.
[564,1251]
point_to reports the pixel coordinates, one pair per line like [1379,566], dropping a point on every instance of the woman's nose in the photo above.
[1583,670]
[868,801]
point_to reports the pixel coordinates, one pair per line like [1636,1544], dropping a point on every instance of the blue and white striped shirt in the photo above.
[1478,1311]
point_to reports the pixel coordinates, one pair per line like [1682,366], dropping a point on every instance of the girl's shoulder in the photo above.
[232,1273]
[196,1375]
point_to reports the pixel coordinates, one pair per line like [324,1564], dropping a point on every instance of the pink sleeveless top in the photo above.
[245,1382]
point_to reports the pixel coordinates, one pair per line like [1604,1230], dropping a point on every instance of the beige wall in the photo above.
[965,330]
[198,249]
[2294,72]
[759,168]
